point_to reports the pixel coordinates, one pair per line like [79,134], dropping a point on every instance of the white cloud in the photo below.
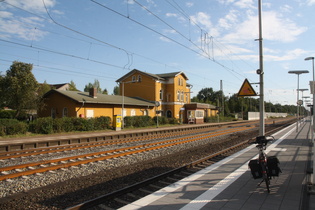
[33,5]
[28,26]
[310,2]
[245,4]
[286,8]
[277,28]
[289,55]
[189,4]
[228,21]
[25,28]
[171,15]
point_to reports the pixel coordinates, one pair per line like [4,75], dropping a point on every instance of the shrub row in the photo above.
[12,127]
[49,125]
[144,121]
[7,114]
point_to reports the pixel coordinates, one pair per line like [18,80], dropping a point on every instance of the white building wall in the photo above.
[255,115]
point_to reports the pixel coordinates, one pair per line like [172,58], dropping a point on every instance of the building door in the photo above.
[169,114]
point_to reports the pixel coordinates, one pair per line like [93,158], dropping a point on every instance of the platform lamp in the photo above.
[313,121]
[298,72]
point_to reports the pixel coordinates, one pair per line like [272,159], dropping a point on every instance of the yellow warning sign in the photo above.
[246,90]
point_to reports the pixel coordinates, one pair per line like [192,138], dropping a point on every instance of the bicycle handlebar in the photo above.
[262,140]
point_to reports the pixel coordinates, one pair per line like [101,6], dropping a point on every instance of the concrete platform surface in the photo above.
[228,184]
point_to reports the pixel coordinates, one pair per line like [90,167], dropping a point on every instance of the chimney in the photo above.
[93,93]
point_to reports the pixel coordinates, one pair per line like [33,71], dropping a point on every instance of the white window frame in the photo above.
[65,112]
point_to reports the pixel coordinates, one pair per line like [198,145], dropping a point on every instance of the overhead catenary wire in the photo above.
[130,54]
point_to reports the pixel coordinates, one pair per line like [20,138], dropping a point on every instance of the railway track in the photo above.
[27,169]
[116,150]
[127,195]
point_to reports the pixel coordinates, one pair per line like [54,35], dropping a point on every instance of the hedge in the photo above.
[49,125]
[12,127]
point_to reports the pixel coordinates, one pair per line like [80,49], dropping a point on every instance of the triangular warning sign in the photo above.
[246,90]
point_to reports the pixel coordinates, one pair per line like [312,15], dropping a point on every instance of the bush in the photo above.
[173,121]
[102,123]
[12,127]
[7,114]
[138,121]
[42,125]
[162,120]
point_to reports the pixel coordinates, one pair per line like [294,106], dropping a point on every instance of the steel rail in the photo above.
[110,196]
[135,149]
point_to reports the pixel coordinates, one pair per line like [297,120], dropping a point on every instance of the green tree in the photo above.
[72,86]
[96,85]
[19,88]
[43,88]
[105,91]
[88,87]
[116,90]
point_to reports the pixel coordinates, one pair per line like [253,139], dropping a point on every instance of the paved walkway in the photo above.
[228,185]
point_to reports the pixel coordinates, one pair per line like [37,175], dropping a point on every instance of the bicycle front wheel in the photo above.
[267,181]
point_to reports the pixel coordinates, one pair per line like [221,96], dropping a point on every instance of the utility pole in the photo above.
[261,76]
[221,88]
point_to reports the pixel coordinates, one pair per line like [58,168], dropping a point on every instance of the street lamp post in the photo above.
[298,72]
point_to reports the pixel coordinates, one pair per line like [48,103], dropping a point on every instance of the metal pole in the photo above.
[313,126]
[122,110]
[261,78]
[297,105]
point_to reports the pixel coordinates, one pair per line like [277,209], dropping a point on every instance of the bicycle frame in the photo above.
[262,157]
[261,142]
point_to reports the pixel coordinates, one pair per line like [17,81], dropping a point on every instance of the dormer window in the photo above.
[139,78]
[134,78]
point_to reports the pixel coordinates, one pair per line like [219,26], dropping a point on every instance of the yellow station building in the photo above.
[141,93]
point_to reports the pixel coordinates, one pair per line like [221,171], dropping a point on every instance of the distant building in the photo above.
[171,91]
[62,103]
[63,86]
[141,93]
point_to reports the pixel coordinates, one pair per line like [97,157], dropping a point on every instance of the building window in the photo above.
[161,94]
[139,78]
[178,95]
[90,113]
[199,114]
[182,96]
[178,81]
[186,98]
[53,113]
[133,112]
[134,78]
[65,112]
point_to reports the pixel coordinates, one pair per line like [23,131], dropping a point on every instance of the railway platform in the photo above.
[228,184]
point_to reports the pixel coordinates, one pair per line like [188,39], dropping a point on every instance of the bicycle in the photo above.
[264,167]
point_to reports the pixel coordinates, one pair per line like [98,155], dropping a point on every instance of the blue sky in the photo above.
[209,41]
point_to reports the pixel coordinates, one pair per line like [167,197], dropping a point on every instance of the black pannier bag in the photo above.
[273,166]
[255,168]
